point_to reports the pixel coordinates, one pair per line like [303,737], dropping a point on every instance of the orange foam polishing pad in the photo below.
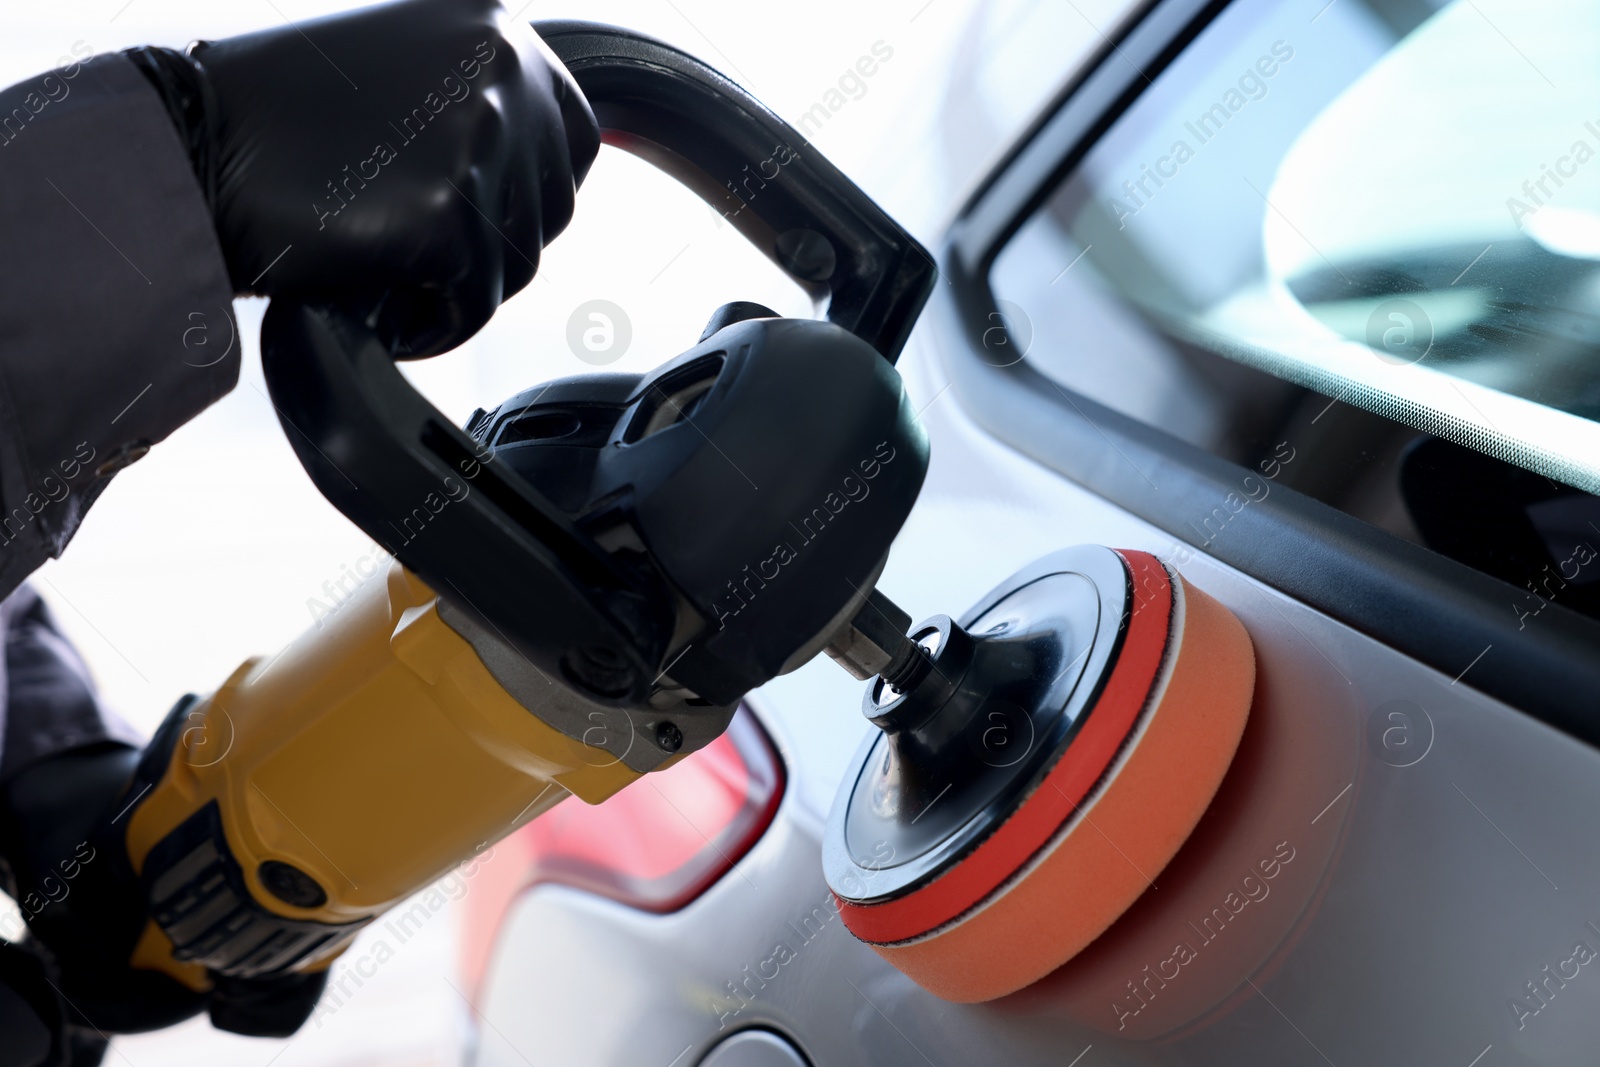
[1111,812]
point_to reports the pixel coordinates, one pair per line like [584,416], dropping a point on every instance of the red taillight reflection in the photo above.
[656,846]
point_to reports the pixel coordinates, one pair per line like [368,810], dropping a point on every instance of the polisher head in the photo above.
[1030,786]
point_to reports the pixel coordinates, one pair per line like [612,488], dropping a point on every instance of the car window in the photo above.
[1364,232]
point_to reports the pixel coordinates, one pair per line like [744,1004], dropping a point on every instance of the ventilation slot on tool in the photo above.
[675,398]
[542,426]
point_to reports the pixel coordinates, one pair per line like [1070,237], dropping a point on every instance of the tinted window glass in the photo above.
[1367,234]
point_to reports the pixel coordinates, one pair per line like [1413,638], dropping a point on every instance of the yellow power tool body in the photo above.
[316,789]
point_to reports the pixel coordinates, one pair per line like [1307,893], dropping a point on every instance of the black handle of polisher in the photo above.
[671,109]
[474,531]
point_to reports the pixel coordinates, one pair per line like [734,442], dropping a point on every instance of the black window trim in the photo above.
[1444,614]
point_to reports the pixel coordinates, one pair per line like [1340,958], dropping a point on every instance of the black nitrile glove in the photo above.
[406,162]
[32,1017]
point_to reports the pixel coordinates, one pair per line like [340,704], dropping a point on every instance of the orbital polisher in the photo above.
[588,579]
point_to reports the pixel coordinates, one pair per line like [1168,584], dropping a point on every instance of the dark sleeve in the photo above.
[32,1023]
[115,305]
[49,700]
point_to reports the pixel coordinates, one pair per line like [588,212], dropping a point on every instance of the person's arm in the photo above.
[406,162]
[115,302]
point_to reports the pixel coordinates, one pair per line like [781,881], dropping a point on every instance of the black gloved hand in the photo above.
[32,1018]
[87,910]
[407,162]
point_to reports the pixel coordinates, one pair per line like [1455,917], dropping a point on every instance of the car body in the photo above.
[1419,770]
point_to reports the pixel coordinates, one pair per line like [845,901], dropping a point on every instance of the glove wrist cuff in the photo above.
[183,87]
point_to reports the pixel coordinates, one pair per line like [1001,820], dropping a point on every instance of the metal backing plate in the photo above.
[915,803]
